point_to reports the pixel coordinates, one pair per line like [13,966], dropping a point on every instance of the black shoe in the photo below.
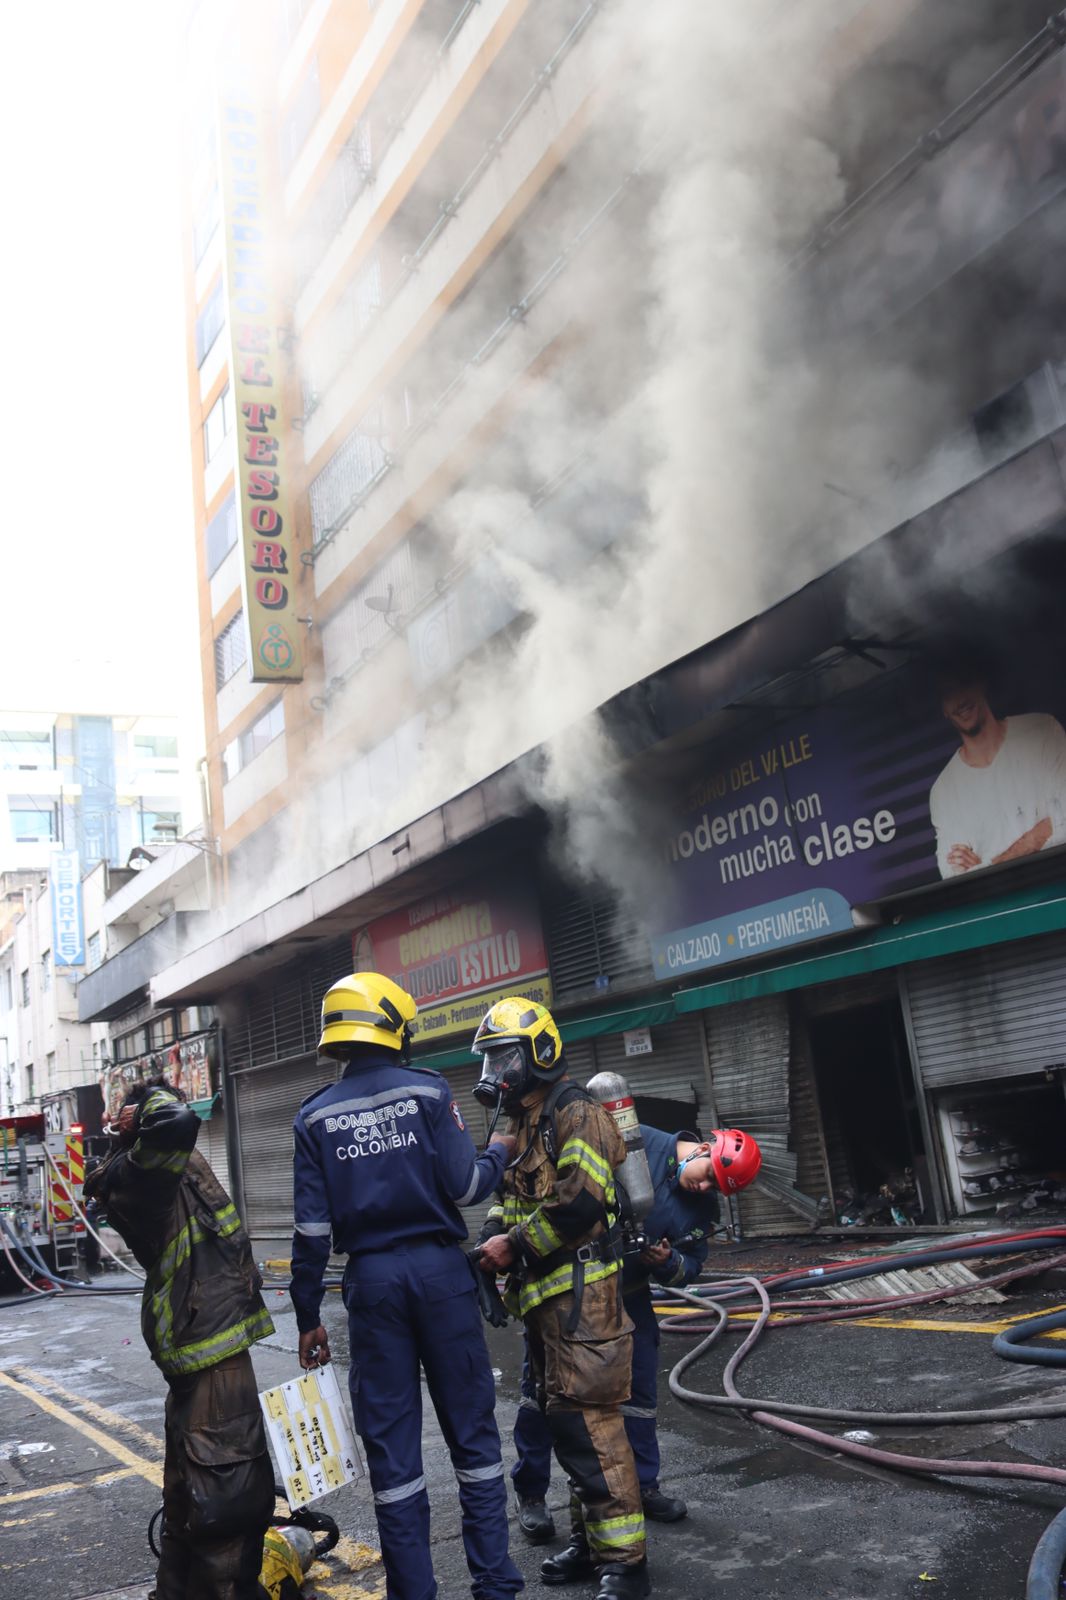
[572,1565]
[659,1507]
[534,1519]
[624,1583]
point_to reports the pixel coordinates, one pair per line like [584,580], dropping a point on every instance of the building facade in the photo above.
[432,196]
[99,785]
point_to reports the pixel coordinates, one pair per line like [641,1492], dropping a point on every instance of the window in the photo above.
[231,650]
[131,1045]
[26,752]
[221,534]
[93,954]
[159,827]
[24,986]
[50,1068]
[209,323]
[46,972]
[206,224]
[29,1082]
[155,747]
[219,424]
[9,989]
[254,740]
[30,824]
[161,1031]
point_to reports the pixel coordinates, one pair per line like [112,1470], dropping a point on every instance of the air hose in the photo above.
[67,1285]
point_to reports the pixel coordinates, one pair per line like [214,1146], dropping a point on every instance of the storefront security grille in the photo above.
[267,1102]
[592,945]
[282,1016]
[749,1048]
[993,1013]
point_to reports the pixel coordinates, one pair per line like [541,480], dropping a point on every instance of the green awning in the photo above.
[588,1025]
[204,1108]
[946,933]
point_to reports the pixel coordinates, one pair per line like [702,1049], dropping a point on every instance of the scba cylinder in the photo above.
[634,1175]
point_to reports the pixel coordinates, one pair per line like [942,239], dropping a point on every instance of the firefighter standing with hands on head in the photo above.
[201,1313]
[687,1173]
[561,1245]
[382,1163]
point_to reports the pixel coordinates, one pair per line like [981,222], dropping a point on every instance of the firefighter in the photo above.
[560,1242]
[201,1313]
[688,1174]
[382,1163]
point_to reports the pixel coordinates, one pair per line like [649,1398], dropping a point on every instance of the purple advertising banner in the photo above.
[873,795]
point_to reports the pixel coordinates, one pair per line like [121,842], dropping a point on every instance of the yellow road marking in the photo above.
[66,1488]
[110,1419]
[145,1469]
[24,1522]
[916,1324]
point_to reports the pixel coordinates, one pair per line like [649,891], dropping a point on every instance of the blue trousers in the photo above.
[531,1473]
[416,1307]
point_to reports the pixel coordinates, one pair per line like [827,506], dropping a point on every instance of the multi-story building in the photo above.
[536,364]
[98,785]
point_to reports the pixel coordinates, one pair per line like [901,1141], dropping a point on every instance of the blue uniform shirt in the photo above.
[676,1214]
[380,1157]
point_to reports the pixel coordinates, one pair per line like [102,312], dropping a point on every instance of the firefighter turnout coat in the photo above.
[202,1300]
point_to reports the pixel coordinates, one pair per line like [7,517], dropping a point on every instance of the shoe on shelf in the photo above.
[659,1507]
[624,1583]
[534,1519]
[572,1565]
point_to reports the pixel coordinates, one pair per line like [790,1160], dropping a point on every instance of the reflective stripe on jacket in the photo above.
[550,1209]
[201,1296]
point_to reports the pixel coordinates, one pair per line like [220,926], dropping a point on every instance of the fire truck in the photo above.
[42,1165]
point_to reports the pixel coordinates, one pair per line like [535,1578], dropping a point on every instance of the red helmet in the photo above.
[735,1159]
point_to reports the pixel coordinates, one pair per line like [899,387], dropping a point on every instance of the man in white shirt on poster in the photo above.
[1003,793]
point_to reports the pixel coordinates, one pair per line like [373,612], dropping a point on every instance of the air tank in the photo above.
[634,1175]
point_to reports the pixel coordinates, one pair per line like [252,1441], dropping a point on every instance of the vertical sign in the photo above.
[267,568]
[68,934]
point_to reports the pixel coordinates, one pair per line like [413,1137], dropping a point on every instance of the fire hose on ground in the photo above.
[739,1293]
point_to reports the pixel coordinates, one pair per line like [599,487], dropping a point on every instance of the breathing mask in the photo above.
[505,1077]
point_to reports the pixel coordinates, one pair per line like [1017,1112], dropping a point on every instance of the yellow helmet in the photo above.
[365,1008]
[513,1020]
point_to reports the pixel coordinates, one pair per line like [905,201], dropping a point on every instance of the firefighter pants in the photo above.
[410,1308]
[584,1377]
[531,1473]
[218,1486]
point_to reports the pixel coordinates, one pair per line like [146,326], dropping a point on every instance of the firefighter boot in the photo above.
[659,1507]
[624,1583]
[534,1519]
[572,1565]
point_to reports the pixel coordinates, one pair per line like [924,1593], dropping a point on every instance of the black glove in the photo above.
[488,1296]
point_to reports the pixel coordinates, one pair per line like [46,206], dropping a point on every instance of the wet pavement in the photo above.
[81,1448]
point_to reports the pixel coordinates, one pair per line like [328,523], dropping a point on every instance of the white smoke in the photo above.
[689,379]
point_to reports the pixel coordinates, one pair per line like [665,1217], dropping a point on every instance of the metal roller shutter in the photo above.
[749,1048]
[994,1013]
[212,1146]
[267,1100]
[590,939]
[673,1071]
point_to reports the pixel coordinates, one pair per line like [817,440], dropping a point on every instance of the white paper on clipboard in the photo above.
[310,1430]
